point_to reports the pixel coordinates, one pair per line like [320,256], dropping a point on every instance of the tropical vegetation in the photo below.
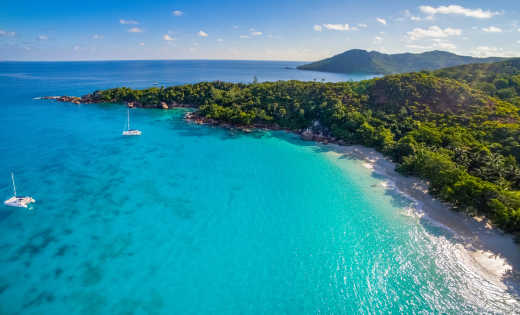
[457,128]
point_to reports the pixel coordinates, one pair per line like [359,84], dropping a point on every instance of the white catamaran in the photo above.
[128,131]
[15,201]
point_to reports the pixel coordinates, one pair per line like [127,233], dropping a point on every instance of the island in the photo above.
[373,62]
[457,128]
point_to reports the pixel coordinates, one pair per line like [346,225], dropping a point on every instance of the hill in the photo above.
[499,79]
[373,62]
[463,141]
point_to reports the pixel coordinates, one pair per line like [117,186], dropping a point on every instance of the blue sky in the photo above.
[266,30]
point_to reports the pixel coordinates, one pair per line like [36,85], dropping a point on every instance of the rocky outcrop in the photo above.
[96,97]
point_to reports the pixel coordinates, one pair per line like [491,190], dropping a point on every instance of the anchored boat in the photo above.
[16,201]
[128,131]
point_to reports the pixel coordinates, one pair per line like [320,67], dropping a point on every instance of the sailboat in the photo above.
[128,131]
[15,201]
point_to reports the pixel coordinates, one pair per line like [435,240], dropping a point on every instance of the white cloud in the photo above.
[437,43]
[135,30]
[418,47]
[381,20]
[202,34]
[128,21]
[486,51]
[244,36]
[220,40]
[434,32]
[43,37]
[256,33]
[317,28]
[362,25]
[457,10]
[446,45]
[168,37]
[177,12]
[337,27]
[141,44]
[378,40]
[97,36]
[6,33]
[492,29]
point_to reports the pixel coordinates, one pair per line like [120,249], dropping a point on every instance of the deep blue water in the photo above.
[191,219]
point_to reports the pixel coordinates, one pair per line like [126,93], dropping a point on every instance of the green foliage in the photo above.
[499,79]
[464,141]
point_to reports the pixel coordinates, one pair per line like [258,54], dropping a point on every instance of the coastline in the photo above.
[493,252]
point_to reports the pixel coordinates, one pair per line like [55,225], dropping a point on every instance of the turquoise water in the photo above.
[191,219]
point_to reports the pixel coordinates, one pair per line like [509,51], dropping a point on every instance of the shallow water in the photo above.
[193,219]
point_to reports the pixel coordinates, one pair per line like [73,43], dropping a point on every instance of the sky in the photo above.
[300,30]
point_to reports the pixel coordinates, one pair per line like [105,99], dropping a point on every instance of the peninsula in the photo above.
[456,128]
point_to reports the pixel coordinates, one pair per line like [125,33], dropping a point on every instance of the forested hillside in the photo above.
[463,140]
[500,79]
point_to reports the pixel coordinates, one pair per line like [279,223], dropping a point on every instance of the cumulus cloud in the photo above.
[317,28]
[128,21]
[381,20]
[135,30]
[487,51]
[177,13]
[458,10]
[244,36]
[492,29]
[6,33]
[378,40]
[433,32]
[97,36]
[337,27]
[168,37]
[256,33]
[436,43]
[362,25]
[202,34]
[43,37]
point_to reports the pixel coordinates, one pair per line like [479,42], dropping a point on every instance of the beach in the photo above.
[493,253]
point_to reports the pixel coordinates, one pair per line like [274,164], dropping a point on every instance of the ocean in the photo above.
[190,219]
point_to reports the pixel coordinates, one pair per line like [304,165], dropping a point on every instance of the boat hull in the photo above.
[20,202]
[132,133]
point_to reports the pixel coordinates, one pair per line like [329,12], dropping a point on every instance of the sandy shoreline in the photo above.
[493,252]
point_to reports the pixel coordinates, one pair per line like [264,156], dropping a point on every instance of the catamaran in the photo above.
[15,201]
[128,131]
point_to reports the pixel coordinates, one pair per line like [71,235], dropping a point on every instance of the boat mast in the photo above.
[128,120]
[14,187]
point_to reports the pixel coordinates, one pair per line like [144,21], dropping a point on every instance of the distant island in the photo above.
[373,62]
[458,128]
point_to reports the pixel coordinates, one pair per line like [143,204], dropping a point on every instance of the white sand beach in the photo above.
[494,253]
